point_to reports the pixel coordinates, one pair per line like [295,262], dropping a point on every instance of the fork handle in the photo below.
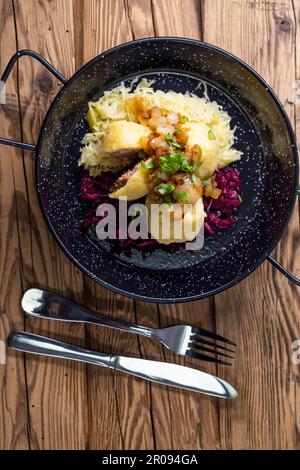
[46,304]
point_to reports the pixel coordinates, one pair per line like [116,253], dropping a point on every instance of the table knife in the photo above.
[160,372]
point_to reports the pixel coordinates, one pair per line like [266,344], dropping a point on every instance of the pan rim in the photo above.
[290,130]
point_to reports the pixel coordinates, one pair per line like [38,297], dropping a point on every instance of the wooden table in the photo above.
[54,404]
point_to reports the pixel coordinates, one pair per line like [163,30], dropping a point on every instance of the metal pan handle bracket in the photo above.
[7,71]
[281,268]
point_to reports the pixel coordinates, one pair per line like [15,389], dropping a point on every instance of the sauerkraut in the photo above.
[114,106]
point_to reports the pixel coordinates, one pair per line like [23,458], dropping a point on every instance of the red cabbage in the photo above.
[219,212]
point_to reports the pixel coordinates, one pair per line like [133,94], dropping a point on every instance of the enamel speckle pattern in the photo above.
[268,170]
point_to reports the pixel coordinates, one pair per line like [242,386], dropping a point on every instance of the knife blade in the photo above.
[160,372]
[176,375]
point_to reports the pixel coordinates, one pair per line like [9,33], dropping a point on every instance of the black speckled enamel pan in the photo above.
[269,168]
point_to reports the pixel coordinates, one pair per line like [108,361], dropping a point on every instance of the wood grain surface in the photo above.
[54,404]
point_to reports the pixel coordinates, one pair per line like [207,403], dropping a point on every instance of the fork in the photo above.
[181,339]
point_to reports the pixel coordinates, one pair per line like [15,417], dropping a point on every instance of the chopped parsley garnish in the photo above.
[148,164]
[168,199]
[172,142]
[179,131]
[185,119]
[141,154]
[196,165]
[165,188]
[137,212]
[185,166]
[179,146]
[181,197]
[170,163]
[211,135]
[176,161]
[196,180]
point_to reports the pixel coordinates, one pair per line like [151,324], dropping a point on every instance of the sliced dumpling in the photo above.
[132,184]
[201,134]
[175,224]
[115,150]
[123,138]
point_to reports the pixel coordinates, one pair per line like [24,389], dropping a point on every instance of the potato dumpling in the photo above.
[122,138]
[201,134]
[184,223]
[132,183]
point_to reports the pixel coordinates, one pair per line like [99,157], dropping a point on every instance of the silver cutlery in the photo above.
[182,339]
[160,372]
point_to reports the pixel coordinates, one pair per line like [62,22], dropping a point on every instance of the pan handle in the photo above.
[281,268]
[7,71]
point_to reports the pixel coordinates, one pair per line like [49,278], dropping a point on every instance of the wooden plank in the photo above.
[119,415]
[261,312]
[295,333]
[178,18]
[13,401]
[141,19]
[56,389]
[181,420]
[134,18]
[171,408]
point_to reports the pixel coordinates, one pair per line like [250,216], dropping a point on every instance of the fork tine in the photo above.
[199,339]
[210,334]
[204,357]
[203,348]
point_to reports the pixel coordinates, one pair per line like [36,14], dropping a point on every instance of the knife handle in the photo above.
[159,372]
[28,342]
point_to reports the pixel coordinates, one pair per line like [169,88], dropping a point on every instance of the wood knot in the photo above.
[285,25]
[45,82]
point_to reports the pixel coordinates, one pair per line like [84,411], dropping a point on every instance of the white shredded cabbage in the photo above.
[112,106]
